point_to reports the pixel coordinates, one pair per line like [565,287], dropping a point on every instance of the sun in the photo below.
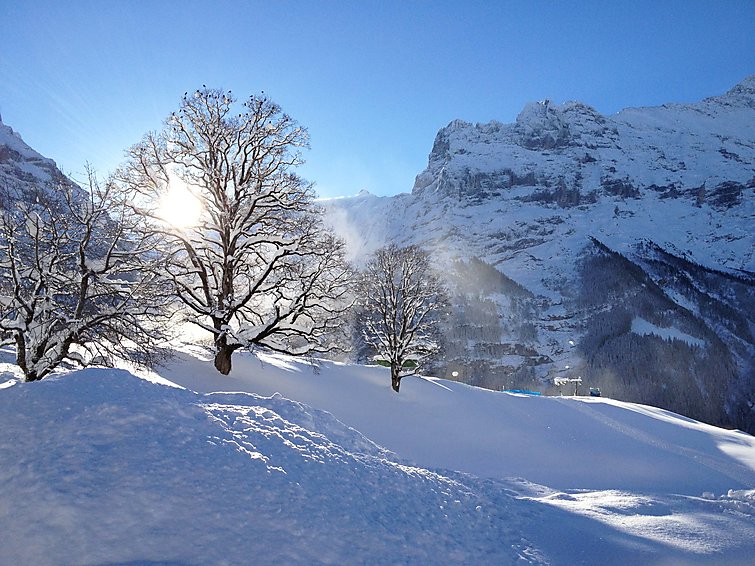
[178,206]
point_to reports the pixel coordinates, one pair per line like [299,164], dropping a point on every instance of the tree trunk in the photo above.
[395,378]
[223,358]
[31,376]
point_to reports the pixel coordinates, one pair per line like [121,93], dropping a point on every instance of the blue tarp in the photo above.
[523,391]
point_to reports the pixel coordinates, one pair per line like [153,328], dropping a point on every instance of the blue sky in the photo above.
[372,81]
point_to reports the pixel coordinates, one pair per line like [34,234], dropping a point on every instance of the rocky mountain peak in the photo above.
[547,126]
[571,148]
[741,94]
[541,126]
[22,169]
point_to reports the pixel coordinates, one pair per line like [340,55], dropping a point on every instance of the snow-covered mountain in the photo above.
[615,248]
[22,169]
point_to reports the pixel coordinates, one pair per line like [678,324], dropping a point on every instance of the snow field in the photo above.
[99,466]
[102,467]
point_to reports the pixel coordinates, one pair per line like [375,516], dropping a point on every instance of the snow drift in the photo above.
[99,466]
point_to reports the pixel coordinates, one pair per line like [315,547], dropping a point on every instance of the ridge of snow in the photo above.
[673,143]
[582,434]
[208,479]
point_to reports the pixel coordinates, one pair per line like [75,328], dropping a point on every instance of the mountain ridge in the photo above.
[23,170]
[551,142]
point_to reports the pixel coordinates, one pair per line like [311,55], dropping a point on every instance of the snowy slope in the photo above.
[101,467]
[95,460]
[644,214]
[598,443]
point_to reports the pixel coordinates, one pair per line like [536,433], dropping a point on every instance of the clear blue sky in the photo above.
[372,81]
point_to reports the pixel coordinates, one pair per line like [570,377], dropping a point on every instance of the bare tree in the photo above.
[400,304]
[76,284]
[257,266]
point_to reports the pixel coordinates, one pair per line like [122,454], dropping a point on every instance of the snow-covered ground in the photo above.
[98,466]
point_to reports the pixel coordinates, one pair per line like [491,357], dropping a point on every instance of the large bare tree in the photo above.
[400,302]
[77,281]
[257,266]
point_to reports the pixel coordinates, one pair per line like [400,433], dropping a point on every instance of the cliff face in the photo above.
[615,248]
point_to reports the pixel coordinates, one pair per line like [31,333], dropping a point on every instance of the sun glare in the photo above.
[178,206]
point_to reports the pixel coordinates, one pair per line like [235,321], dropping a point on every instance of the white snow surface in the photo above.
[305,462]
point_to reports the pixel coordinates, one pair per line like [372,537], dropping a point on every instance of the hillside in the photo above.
[565,232]
[97,459]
